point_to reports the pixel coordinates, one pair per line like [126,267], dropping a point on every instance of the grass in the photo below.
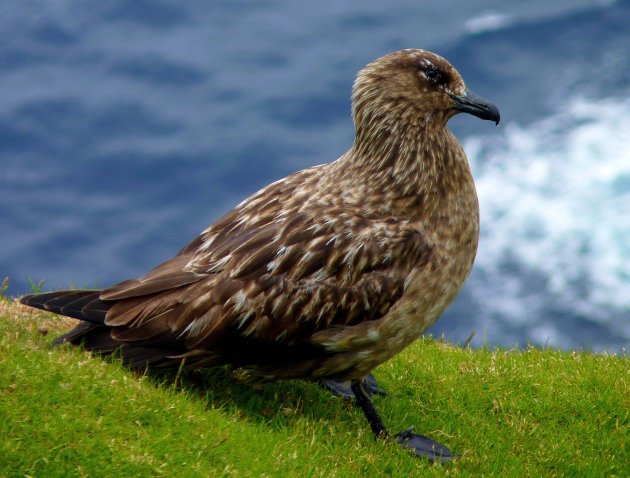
[509,413]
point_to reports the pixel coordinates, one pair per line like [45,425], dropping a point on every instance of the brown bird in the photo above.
[324,274]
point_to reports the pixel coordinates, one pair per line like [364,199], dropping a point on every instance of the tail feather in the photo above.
[94,335]
[79,304]
[78,334]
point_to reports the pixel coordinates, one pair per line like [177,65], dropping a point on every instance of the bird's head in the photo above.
[414,85]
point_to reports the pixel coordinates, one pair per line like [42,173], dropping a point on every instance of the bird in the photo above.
[326,273]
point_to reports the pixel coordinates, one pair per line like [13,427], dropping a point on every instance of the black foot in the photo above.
[424,447]
[343,390]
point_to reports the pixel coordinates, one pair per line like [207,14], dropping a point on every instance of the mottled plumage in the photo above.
[325,273]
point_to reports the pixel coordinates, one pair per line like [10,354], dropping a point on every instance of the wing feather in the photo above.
[168,275]
[270,272]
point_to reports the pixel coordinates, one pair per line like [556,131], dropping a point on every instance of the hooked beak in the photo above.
[476,105]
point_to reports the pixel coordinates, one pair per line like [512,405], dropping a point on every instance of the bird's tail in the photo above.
[95,335]
[83,305]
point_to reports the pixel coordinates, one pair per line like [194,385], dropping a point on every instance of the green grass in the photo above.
[509,413]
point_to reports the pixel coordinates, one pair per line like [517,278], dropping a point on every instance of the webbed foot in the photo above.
[344,390]
[424,447]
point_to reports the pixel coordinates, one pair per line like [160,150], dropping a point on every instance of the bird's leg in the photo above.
[422,446]
[342,388]
[369,410]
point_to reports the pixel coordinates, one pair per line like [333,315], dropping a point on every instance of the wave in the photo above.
[555,201]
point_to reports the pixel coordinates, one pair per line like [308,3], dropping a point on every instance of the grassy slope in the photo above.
[531,413]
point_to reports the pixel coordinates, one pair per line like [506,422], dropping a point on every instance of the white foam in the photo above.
[488,21]
[555,208]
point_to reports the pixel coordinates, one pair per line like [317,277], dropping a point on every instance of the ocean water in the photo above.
[128,126]
[554,255]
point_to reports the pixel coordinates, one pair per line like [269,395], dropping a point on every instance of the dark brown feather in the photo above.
[79,304]
[166,276]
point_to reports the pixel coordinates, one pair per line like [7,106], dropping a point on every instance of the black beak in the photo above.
[477,106]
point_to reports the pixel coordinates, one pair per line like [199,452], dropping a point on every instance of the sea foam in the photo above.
[555,213]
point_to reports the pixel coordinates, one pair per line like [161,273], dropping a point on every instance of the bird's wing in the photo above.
[169,275]
[279,281]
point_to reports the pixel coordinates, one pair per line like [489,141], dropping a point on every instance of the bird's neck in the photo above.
[407,164]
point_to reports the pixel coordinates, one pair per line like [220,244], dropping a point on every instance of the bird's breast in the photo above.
[452,234]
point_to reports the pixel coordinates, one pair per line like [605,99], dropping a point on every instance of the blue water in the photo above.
[127,127]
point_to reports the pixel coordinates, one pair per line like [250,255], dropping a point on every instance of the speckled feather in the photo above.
[327,272]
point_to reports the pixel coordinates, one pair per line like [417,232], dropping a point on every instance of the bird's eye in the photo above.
[433,74]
